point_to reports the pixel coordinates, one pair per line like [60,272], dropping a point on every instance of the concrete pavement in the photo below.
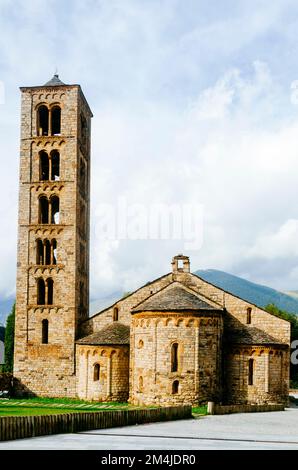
[272,430]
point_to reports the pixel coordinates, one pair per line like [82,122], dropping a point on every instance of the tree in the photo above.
[9,340]
[293,319]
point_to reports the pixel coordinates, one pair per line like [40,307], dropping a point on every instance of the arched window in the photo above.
[45,331]
[55,210]
[42,120]
[115,314]
[96,372]
[44,167]
[56,120]
[141,384]
[248,316]
[174,357]
[43,213]
[41,292]
[82,291]
[54,251]
[82,176]
[47,251]
[250,372]
[175,387]
[55,160]
[39,252]
[50,289]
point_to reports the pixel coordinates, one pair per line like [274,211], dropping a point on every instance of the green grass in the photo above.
[41,406]
[199,410]
[23,411]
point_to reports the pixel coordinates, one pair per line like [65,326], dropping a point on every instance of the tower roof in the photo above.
[173,298]
[55,81]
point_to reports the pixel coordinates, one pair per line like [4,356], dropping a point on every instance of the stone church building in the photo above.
[176,340]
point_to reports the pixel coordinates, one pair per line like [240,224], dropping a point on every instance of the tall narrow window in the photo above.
[56,120]
[47,252]
[54,251]
[44,166]
[174,357]
[55,210]
[141,384]
[82,291]
[55,159]
[39,252]
[175,387]
[50,286]
[41,292]
[45,331]
[248,316]
[115,314]
[43,215]
[250,372]
[96,372]
[82,176]
[42,120]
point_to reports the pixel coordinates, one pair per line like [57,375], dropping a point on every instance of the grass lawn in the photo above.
[23,411]
[43,406]
[199,410]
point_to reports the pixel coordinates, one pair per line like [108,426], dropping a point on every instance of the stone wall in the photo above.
[199,357]
[228,409]
[270,375]
[111,384]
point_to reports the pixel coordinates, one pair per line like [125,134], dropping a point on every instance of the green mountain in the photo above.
[247,290]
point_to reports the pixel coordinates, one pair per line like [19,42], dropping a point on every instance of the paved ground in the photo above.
[274,430]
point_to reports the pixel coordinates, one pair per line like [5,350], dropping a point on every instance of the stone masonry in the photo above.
[47,367]
[176,340]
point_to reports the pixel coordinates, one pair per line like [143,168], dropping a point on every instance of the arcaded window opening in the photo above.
[45,332]
[175,387]
[115,314]
[42,121]
[82,176]
[47,252]
[43,215]
[56,120]
[54,252]
[250,372]
[50,289]
[39,252]
[55,161]
[96,372]
[55,214]
[174,357]
[41,292]
[44,166]
[248,316]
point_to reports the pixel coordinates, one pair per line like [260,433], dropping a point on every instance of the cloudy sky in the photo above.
[195,105]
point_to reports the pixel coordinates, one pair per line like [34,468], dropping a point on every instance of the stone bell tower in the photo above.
[53,238]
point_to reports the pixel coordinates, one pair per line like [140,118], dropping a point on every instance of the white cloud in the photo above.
[190,105]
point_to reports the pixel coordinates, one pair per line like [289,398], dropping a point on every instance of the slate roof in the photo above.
[173,299]
[55,81]
[114,334]
[250,336]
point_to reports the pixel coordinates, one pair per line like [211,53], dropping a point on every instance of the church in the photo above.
[177,340]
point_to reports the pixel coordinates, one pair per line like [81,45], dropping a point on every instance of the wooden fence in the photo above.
[18,427]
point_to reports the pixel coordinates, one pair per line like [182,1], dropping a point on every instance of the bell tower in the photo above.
[53,237]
